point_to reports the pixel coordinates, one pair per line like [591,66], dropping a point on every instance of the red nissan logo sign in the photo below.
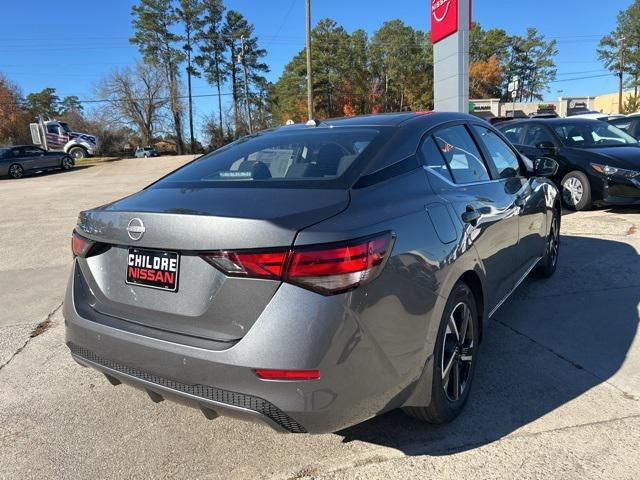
[444,19]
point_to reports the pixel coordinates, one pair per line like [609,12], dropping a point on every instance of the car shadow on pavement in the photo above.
[551,344]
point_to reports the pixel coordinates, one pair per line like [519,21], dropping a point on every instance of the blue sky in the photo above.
[70,44]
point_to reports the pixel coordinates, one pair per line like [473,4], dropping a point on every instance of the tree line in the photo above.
[619,51]
[353,73]
[393,70]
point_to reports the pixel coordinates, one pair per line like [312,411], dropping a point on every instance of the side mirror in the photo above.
[545,167]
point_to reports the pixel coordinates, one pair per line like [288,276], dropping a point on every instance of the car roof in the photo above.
[550,121]
[385,120]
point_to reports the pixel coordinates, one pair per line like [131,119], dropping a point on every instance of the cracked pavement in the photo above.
[557,391]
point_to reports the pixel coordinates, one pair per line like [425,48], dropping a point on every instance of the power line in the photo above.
[161,99]
[581,78]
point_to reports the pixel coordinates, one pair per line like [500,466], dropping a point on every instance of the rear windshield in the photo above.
[322,155]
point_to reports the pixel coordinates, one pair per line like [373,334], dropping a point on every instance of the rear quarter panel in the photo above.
[397,316]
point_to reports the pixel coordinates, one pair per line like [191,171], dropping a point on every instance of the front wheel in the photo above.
[454,358]
[576,191]
[67,163]
[78,153]
[548,264]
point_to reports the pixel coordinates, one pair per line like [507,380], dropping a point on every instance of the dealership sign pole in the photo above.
[450,28]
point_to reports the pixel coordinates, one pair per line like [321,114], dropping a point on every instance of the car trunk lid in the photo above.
[207,303]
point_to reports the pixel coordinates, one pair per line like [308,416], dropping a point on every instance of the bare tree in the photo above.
[138,97]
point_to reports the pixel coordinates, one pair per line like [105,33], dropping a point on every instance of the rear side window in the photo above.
[461,154]
[622,125]
[512,132]
[433,159]
[503,158]
[538,136]
[321,154]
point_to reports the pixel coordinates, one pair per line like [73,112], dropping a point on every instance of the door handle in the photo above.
[471,215]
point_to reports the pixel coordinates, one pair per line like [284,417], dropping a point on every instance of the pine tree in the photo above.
[211,58]
[237,31]
[153,22]
[609,48]
[189,13]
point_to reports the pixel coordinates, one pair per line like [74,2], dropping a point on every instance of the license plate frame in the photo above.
[143,260]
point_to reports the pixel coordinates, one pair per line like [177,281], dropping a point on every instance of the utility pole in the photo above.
[189,72]
[246,83]
[309,77]
[621,73]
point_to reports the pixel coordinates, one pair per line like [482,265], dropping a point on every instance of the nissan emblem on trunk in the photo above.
[135,229]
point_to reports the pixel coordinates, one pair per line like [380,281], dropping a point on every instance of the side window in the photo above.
[505,161]
[537,135]
[52,128]
[622,125]
[32,151]
[513,133]
[461,154]
[433,159]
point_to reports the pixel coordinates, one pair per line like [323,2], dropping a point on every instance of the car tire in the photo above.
[548,264]
[16,171]
[78,153]
[453,355]
[576,191]
[67,163]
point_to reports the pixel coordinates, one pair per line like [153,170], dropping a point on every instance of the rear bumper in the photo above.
[369,361]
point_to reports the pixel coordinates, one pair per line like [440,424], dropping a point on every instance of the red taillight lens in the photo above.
[336,269]
[326,269]
[80,246]
[249,264]
[288,374]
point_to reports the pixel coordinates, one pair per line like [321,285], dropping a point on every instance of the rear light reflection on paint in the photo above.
[293,375]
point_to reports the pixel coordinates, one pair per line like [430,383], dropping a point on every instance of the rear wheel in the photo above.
[454,358]
[67,163]
[78,153]
[548,264]
[16,171]
[576,191]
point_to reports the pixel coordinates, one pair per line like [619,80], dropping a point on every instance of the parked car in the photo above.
[599,163]
[629,124]
[146,152]
[17,160]
[605,117]
[312,277]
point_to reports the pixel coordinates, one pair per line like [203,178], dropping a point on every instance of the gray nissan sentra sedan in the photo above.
[312,277]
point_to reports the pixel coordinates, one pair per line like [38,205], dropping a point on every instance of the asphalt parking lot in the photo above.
[557,391]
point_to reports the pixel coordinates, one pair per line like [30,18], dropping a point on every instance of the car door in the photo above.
[23,156]
[485,208]
[37,158]
[528,193]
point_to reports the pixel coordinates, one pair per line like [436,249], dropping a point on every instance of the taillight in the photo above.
[249,264]
[338,268]
[326,269]
[80,246]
